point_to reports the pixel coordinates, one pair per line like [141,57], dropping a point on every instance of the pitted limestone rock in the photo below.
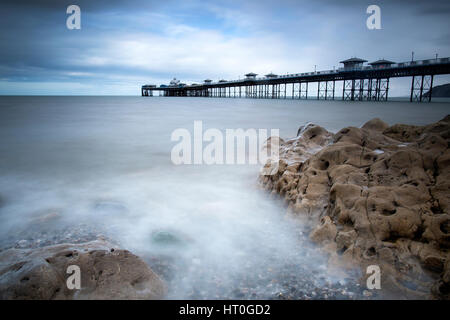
[380,193]
[106,273]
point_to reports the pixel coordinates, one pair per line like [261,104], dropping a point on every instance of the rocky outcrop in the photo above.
[106,273]
[375,195]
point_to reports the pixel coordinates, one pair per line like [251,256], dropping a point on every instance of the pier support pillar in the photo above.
[348,90]
[372,90]
[305,91]
[430,91]
[319,90]
[419,84]
[329,90]
[325,90]
[364,95]
[358,89]
[384,89]
[334,87]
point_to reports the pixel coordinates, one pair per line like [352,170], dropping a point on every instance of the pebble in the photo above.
[22,244]
[367,293]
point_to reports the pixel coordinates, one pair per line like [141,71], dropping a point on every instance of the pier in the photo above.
[359,82]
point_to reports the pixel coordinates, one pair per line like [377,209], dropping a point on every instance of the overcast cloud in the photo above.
[124,44]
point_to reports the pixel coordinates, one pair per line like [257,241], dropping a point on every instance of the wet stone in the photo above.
[165,238]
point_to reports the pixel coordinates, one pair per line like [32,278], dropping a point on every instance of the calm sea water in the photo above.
[73,168]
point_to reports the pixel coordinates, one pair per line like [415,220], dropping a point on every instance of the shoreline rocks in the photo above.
[106,273]
[377,194]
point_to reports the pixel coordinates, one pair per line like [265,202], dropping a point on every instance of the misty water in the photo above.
[77,168]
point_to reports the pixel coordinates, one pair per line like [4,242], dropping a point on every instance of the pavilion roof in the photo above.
[354,60]
[381,61]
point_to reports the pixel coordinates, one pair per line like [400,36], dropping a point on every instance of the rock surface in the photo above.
[106,273]
[375,195]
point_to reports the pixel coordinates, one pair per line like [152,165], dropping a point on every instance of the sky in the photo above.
[124,44]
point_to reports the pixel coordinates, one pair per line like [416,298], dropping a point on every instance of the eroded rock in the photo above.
[106,273]
[375,195]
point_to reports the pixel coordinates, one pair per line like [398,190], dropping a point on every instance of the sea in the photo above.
[80,168]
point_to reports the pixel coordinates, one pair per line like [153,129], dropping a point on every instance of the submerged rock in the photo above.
[46,217]
[165,238]
[169,238]
[375,195]
[106,273]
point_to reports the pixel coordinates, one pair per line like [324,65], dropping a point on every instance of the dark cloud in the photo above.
[89,5]
[419,7]
[36,46]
